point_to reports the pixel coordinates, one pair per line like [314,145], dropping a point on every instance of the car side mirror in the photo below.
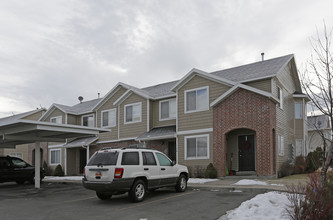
[173,163]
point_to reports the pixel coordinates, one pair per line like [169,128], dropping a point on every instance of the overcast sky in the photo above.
[52,51]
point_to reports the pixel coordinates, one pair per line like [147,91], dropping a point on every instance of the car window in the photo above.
[4,163]
[130,158]
[148,158]
[104,158]
[163,160]
[18,163]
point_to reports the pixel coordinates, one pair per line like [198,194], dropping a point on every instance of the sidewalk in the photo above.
[235,182]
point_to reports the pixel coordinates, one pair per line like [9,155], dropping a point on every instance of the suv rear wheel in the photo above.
[138,191]
[103,196]
[181,183]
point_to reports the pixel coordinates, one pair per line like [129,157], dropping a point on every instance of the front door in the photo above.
[172,150]
[83,159]
[246,152]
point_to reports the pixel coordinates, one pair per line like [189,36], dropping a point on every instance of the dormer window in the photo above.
[196,100]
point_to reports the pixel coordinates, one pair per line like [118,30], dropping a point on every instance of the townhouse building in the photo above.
[249,118]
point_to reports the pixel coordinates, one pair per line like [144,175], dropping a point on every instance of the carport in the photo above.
[15,132]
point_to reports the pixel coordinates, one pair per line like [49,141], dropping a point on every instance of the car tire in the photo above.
[138,191]
[181,183]
[103,196]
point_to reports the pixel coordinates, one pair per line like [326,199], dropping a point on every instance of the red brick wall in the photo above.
[245,109]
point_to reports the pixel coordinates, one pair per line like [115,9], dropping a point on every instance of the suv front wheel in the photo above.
[181,183]
[138,191]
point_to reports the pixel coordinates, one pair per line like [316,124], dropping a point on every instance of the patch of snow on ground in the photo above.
[269,205]
[63,178]
[200,180]
[250,182]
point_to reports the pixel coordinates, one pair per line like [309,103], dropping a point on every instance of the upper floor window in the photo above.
[57,120]
[197,147]
[109,118]
[167,109]
[132,113]
[88,120]
[298,110]
[280,97]
[196,99]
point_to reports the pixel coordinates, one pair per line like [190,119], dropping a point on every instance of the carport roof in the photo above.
[15,132]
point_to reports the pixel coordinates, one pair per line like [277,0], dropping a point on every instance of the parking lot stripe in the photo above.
[146,203]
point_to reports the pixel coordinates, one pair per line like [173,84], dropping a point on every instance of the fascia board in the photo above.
[107,96]
[49,112]
[122,98]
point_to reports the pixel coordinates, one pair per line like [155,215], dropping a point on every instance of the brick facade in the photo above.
[246,110]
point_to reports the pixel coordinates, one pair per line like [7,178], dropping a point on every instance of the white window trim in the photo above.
[281,97]
[88,116]
[302,110]
[132,104]
[196,136]
[280,145]
[191,90]
[56,117]
[160,110]
[53,164]
[109,110]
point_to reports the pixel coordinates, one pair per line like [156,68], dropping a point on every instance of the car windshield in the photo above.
[104,158]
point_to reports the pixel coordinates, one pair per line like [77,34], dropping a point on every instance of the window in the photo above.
[109,118]
[167,109]
[88,120]
[57,120]
[130,158]
[299,147]
[163,160]
[281,145]
[132,113]
[196,100]
[280,97]
[197,147]
[104,158]
[148,158]
[18,155]
[55,156]
[298,110]
[18,163]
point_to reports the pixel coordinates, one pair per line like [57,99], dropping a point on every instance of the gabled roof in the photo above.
[319,122]
[255,71]
[161,90]
[201,73]
[20,116]
[242,86]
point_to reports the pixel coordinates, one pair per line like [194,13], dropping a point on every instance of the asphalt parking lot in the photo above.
[72,201]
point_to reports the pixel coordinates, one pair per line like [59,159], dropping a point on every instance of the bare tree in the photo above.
[317,80]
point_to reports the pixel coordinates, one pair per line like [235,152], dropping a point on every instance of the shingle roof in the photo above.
[255,70]
[19,116]
[318,122]
[80,108]
[160,90]
[159,133]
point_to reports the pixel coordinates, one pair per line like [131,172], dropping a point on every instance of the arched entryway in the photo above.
[241,150]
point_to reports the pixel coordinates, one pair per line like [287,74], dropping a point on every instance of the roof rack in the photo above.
[134,147]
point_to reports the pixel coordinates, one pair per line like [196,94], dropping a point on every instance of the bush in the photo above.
[312,201]
[285,169]
[58,171]
[47,169]
[210,171]
[300,165]
[314,160]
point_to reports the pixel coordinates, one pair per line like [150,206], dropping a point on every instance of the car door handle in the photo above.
[162,168]
[146,169]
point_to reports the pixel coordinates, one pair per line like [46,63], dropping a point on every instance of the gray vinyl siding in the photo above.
[113,135]
[73,119]
[201,119]
[56,113]
[264,85]
[133,129]
[156,118]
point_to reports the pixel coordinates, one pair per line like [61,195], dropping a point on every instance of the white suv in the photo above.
[133,170]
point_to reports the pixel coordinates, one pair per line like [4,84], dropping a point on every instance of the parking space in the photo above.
[72,201]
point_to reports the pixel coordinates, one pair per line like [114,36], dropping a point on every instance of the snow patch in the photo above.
[200,180]
[63,178]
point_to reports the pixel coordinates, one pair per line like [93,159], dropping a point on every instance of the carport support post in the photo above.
[37,164]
